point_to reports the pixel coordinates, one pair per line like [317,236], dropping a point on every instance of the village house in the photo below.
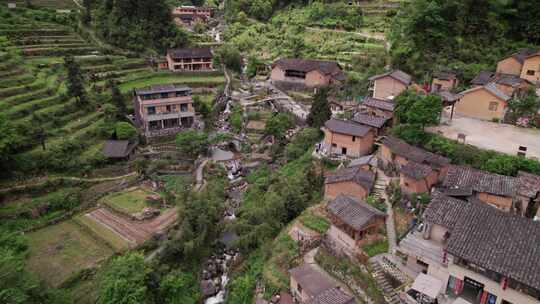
[353,181]
[378,123]
[188,15]
[389,85]
[306,73]
[520,194]
[342,106]
[354,223]
[311,286]
[509,84]
[417,178]
[493,257]
[347,138]
[426,249]
[119,149]
[524,63]
[368,162]
[194,59]
[377,107]
[490,188]
[162,110]
[396,153]
[485,102]
[444,81]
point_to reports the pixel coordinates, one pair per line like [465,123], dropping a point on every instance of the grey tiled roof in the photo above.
[308,65]
[483,78]
[362,177]
[462,177]
[190,53]
[353,212]
[347,127]
[162,88]
[508,79]
[498,241]
[443,75]
[397,75]
[332,296]
[444,210]
[448,96]
[490,87]
[528,185]
[522,54]
[416,170]
[378,103]
[364,160]
[370,120]
[117,148]
[413,153]
[311,280]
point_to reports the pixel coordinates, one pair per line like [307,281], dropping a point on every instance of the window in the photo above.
[184,107]
[151,110]
[530,72]
[344,151]
[354,138]
[493,106]
[299,288]
[169,109]
[164,95]
[334,146]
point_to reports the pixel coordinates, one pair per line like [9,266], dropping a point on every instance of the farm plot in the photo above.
[130,201]
[133,232]
[59,251]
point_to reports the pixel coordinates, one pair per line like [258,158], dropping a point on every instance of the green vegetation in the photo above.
[59,251]
[129,201]
[467,36]
[320,110]
[278,124]
[193,143]
[376,248]
[96,229]
[315,222]
[417,110]
[283,256]
[144,80]
[242,287]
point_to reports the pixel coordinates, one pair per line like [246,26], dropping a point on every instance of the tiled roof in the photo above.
[483,78]
[448,96]
[308,65]
[498,241]
[508,79]
[370,120]
[190,53]
[416,170]
[378,103]
[444,210]
[522,54]
[444,75]
[347,127]
[528,185]
[490,87]
[413,153]
[162,88]
[462,177]
[311,280]
[332,296]
[117,148]
[362,177]
[353,212]
[397,75]
[364,160]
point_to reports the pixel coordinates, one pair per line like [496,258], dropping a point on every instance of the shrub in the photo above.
[125,130]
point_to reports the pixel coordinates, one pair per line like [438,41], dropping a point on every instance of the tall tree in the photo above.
[117,100]
[320,109]
[75,81]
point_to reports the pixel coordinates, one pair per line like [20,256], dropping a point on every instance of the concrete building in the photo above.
[347,138]
[192,60]
[352,181]
[389,85]
[306,73]
[443,81]
[162,110]
[188,15]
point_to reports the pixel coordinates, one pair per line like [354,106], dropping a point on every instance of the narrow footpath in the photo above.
[380,192]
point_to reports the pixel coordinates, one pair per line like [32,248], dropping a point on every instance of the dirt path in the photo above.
[44,180]
[364,34]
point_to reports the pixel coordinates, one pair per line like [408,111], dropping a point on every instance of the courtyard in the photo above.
[490,135]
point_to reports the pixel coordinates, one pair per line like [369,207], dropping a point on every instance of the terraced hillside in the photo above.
[53,4]
[378,14]
[34,95]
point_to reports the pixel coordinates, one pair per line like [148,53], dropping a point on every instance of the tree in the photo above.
[278,124]
[179,288]
[123,280]
[200,107]
[192,143]
[229,56]
[75,81]
[117,99]
[320,110]
[302,142]
[412,108]
[527,105]
[125,130]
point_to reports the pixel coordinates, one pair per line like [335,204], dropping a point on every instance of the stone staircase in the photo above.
[378,271]
[379,191]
